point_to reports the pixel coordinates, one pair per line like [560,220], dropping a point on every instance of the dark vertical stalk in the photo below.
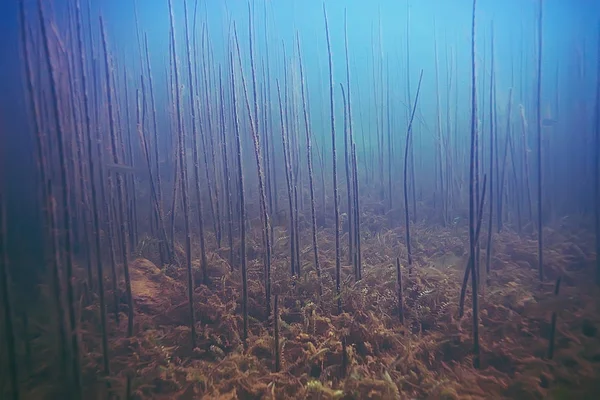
[388,109]
[203,258]
[214,196]
[539,147]
[488,252]
[132,193]
[406,154]
[66,209]
[267,145]
[505,156]
[440,154]
[310,169]
[525,147]
[47,198]
[400,291]
[347,168]
[447,144]
[103,195]
[183,167]
[269,132]
[276,333]
[381,119]
[174,197]
[553,323]
[347,144]
[472,206]
[338,268]
[146,153]
[516,192]
[411,142]
[261,186]
[597,167]
[358,255]
[95,206]
[121,194]
[81,222]
[242,203]
[290,127]
[261,176]
[7,305]
[463,288]
[165,242]
[226,175]
[377,125]
[288,178]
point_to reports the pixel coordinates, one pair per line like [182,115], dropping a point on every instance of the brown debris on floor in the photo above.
[429,357]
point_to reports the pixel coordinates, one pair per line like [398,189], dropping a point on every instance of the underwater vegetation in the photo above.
[347,204]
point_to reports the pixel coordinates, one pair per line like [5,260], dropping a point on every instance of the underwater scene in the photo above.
[299,199]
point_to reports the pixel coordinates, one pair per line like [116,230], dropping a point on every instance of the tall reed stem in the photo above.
[66,209]
[183,172]
[539,147]
[406,154]
[338,267]
[472,205]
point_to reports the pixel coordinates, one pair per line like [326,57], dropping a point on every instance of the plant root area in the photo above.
[364,352]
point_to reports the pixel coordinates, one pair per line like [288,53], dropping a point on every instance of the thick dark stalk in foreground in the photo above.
[66,209]
[539,148]
[597,168]
[400,291]
[47,203]
[81,217]
[120,193]
[8,311]
[276,332]
[95,206]
[553,323]
[406,149]
[310,169]
[338,267]
[183,172]
[242,204]
[472,205]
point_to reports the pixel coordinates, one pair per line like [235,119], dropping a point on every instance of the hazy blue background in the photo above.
[568,25]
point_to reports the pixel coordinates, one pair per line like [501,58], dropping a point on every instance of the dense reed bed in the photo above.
[233,216]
